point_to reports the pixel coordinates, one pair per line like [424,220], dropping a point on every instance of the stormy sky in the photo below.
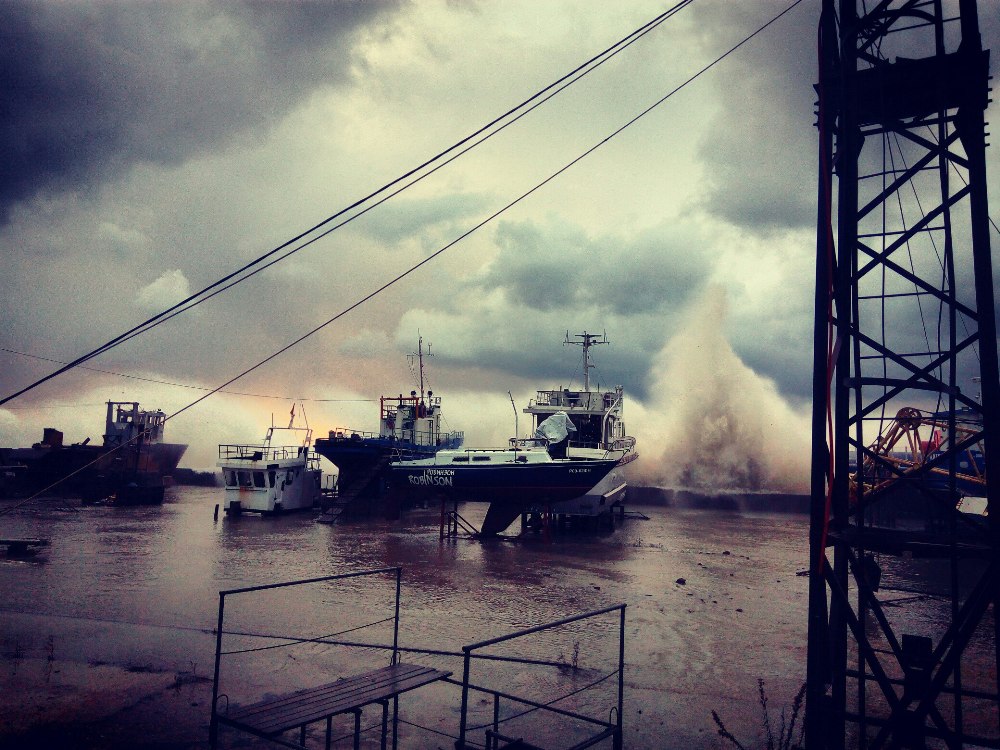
[152,148]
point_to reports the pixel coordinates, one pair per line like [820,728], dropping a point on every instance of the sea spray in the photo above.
[714,423]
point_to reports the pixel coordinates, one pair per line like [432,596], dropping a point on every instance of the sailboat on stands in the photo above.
[538,468]
[596,425]
[412,425]
[572,466]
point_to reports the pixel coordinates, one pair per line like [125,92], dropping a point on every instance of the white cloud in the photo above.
[169,289]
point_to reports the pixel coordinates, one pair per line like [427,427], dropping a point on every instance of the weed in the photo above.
[786,728]
[50,657]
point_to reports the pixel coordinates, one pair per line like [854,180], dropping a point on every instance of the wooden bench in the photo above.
[272,717]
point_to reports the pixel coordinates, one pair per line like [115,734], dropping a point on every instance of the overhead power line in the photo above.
[203,294]
[483,222]
[495,214]
[186,385]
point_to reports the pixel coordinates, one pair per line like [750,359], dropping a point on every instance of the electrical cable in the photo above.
[489,218]
[188,385]
[194,299]
[186,305]
[482,222]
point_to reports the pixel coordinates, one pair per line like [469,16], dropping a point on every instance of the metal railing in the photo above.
[259,452]
[611,728]
[293,641]
[417,437]
[591,400]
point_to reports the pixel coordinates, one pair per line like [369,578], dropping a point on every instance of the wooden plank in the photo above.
[329,693]
[306,707]
[303,707]
[361,694]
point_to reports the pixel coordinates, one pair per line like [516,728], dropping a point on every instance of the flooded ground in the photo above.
[714,603]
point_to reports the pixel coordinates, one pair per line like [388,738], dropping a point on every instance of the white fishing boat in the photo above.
[595,427]
[279,474]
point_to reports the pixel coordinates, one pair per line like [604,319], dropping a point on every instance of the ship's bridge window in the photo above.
[244,479]
[480,458]
[270,478]
[258,479]
[230,477]
[460,459]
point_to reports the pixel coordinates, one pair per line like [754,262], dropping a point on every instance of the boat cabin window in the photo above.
[230,477]
[258,479]
[460,459]
[244,479]
[270,478]
[480,458]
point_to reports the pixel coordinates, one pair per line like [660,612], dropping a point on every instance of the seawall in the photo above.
[753,502]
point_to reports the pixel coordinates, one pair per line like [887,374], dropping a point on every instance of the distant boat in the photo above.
[412,425]
[276,475]
[132,463]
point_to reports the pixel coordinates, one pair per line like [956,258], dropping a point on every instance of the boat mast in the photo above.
[420,362]
[420,357]
[588,340]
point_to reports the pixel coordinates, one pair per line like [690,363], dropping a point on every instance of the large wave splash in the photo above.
[714,422]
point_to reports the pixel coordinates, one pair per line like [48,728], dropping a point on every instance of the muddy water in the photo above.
[139,587]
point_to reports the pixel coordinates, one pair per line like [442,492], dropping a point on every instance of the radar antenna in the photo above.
[587,340]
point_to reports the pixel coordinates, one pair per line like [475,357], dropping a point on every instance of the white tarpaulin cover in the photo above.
[555,428]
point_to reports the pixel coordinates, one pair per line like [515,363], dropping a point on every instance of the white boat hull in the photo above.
[299,494]
[601,498]
[265,478]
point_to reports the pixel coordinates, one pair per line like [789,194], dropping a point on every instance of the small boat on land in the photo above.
[278,474]
[529,473]
[412,425]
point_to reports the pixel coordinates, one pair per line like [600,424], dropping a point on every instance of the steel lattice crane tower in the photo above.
[904,581]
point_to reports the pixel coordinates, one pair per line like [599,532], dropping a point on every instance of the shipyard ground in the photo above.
[715,601]
[64,704]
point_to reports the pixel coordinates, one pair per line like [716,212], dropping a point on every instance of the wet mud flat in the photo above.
[108,634]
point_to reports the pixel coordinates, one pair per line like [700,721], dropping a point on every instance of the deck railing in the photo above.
[417,437]
[258,452]
[590,400]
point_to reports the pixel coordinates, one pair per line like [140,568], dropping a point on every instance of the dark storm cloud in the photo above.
[402,218]
[547,268]
[759,149]
[89,89]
